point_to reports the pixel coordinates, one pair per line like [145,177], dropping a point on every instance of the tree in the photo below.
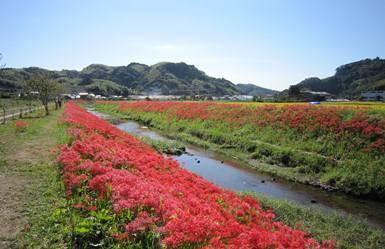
[257,99]
[86,80]
[294,90]
[45,88]
[2,66]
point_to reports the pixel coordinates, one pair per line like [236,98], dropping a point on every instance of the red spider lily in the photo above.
[79,205]
[303,118]
[92,208]
[164,198]
[21,125]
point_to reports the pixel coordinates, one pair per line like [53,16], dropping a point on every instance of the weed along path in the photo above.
[232,174]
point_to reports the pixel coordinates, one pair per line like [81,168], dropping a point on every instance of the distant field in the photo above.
[356,104]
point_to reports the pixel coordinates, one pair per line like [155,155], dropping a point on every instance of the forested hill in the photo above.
[253,90]
[351,79]
[162,78]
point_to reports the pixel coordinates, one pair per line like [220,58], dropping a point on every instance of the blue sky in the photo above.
[271,43]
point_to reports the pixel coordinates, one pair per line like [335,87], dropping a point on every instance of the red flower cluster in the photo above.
[302,117]
[21,125]
[104,163]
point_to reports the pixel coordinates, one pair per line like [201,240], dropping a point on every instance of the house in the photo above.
[84,95]
[67,96]
[315,96]
[338,100]
[373,96]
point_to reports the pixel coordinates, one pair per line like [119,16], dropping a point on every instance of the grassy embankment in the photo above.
[347,232]
[31,188]
[311,158]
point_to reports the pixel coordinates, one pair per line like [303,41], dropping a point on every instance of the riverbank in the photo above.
[155,200]
[347,232]
[315,159]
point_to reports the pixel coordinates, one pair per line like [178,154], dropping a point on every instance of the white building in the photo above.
[373,96]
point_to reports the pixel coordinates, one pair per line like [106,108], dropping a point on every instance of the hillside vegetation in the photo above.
[167,78]
[351,79]
[253,90]
[163,78]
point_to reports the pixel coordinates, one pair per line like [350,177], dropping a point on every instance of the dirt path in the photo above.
[12,219]
[18,152]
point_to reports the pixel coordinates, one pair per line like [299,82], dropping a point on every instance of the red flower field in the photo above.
[338,121]
[105,167]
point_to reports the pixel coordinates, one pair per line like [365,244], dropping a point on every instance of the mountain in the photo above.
[253,90]
[163,78]
[350,79]
[182,79]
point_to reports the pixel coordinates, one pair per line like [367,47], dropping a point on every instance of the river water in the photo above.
[230,173]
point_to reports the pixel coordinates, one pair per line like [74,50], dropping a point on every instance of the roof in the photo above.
[317,93]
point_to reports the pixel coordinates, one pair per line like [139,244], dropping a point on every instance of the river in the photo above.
[230,173]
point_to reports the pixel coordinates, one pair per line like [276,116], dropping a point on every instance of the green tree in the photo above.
[45,88]
[294,90]
[257,99]
[2,66]
[86,80]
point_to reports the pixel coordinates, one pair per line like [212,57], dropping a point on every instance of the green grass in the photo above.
[27,158]
[349,233]
[170,147]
